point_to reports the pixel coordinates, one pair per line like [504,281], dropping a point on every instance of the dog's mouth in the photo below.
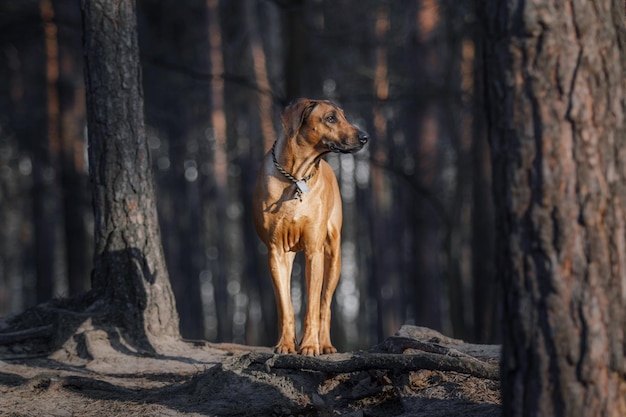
[347,146]
[337,148]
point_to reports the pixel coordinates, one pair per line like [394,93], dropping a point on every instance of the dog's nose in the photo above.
[363,137]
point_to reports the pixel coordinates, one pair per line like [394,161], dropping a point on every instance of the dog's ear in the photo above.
[295,114]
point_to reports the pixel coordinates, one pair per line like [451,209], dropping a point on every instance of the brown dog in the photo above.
[297,207]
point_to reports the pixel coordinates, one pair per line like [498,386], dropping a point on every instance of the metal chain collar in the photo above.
[301,186]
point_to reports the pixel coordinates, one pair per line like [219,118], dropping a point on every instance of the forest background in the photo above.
[418,236]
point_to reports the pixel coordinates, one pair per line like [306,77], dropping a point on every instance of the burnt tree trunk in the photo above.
[130,275]
[556,109]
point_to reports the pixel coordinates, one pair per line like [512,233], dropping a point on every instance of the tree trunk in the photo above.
[424,120]
[486,288]
[73,171]
[294,22]
[46,204]
[556,108]
[216,211]
[386,268]
[130,275]
[261,75]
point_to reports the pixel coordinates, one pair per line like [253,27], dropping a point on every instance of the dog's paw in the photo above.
[328,349]
[285,348]
[309,350]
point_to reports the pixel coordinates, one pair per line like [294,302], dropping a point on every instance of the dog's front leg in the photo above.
[314,277]
[281,263]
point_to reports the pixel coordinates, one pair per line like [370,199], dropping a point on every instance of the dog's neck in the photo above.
[300,161]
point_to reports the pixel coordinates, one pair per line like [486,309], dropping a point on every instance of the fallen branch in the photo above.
[368,361]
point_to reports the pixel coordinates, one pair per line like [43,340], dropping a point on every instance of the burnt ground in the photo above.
[416,373]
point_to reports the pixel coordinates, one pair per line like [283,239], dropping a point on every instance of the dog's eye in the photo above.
[331,119]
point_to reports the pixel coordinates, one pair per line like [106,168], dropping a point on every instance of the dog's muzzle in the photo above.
[362,137]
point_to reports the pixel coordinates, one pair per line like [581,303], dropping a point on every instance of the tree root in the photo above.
[413,348]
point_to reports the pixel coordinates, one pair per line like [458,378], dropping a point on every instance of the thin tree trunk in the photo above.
[486,289]
[261,76]
[387,268]
[218,238]
[74,180]
[294,23]
[557,107]
[130,275]
[424,122]
[46,205]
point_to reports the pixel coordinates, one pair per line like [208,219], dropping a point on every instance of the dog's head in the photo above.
[323,125]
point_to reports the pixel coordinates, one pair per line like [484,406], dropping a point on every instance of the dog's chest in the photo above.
[298,222]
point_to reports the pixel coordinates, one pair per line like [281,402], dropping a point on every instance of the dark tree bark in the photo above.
[556,108]
[130,275]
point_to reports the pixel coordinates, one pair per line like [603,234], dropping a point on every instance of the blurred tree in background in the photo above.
[418,218]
